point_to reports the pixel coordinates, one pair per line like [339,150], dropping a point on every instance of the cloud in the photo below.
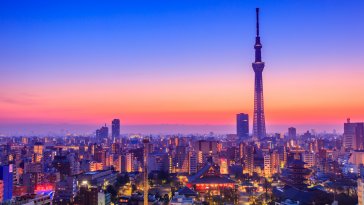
[23,99]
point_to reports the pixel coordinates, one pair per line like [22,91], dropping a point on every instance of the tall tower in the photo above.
[258,66]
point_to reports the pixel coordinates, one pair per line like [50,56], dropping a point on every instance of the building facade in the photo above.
[6,176]
[242,126]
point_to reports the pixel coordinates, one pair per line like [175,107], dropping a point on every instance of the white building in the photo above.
[309,159]
[181,200]
[267,165]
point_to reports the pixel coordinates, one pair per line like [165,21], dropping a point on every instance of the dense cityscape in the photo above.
[108,168]
[250,166]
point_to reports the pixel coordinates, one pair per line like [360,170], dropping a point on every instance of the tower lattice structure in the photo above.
[258,66]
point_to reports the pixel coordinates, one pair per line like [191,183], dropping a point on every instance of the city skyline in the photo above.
[161,102]
[91,66]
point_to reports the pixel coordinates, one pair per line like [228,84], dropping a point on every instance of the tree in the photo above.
[267,185]
[111,189]
[166,198]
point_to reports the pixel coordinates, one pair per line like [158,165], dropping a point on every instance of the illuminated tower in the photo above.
[258,66]
[146,146]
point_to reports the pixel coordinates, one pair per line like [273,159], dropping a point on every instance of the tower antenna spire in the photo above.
[257,14]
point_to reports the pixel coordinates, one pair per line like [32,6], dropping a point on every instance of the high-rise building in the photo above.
[275,162]
[102,133]
[65,191]
[192,162]
[309,159]
[249,159]
[224,166]
[1,191]
[115,129]
[117,164]
[282,152]
[63,165]
[95,166]
[207,149]
[267,165]
[242,126]
[6,175]
[38,152]
[158,161]
[129,162]
[258,66]
[87,195]
[181,158]
[354,135]
[292,133]
[271,163]
[115,148]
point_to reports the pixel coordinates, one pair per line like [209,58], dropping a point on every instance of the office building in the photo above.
[242,126]
[192,166]
[249,159]
[267,165]
[292,134]
[181,159]
[158,161]
[353,135]
[115,129]
[102,133]
[309,159]
[6,176]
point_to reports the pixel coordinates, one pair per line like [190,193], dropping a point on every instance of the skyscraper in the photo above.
[354,135]
[249,159]
[292,133]
[242,125]
[258,66]
[181,158]
[115,129]
[6,175]
[102,133]
[192,162]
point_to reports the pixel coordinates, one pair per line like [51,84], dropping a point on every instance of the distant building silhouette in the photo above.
[102,133]
[258,66]
[242,126]
[115,129]
[292,133]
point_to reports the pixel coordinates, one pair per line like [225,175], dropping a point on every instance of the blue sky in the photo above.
[47,45]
